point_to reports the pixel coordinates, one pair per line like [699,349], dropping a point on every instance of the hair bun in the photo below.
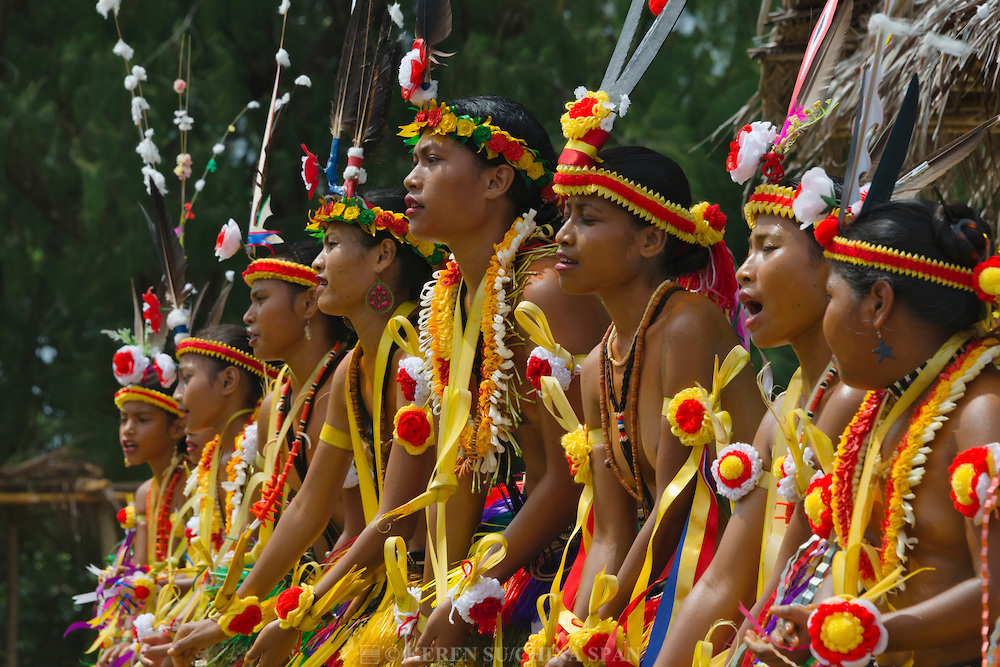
[961,233]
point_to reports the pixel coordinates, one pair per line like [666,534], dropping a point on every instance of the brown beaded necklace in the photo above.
[354,387]
[630,389]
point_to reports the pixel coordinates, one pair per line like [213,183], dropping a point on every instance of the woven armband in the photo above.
[335,438]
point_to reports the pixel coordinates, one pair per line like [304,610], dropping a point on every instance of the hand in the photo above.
[788,643]
[153,650]
[192,638]
[273,646]
[111,655]
[439,635]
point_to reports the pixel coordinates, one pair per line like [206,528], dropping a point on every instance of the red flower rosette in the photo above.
[689,418]
[411,69]
[825,230]
[242,617]
[481,604]
[542,363]
[126,517]
[310,171]
[151,311]
[737,470]
[129,364]
[846,633]
[969,476]
[497,143]
[816,506]
[292,606]
[413,429]
[986,279]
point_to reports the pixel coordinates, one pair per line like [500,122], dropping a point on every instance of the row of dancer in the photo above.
[431,494]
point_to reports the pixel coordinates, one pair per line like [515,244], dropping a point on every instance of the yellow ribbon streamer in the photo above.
[704,649]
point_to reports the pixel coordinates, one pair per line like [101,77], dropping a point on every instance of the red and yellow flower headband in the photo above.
[228,354]
[984,279]
[151,396]
[357,211]
[586,126]
[482,135]
[769,199]
[280,269]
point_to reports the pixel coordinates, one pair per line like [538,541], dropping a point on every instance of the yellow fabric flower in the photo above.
[536,171]
[448,123]
[842,632]
[578,447]
[338,210]
[689,418]
[351,213]
[464,127]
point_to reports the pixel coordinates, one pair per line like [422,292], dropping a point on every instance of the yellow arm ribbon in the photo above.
[704,649]
[369,499]
[396,570]
[536,325]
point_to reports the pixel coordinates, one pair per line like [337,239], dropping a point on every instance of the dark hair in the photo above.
[662,175]
[304,252]
[414,269]
[952,233]
[515,119]
[236,337]
[793,182]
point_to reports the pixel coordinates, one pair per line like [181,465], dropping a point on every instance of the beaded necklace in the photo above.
[909,455]
[271,494]
[163,509]
[824,383]
[354,389]
[630,385]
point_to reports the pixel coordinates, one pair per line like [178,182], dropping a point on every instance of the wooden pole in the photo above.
[12,588]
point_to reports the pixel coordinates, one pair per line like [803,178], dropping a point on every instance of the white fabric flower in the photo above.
[166,369]
[396,14]
[351,480]
[557,366]
[139,72]
[143,626]
[129,364]
[414,367]
[406,623]
[151,177]
[809,204]
[253,104]
[139,104]
[281,57]
[122,49]
[858,205]
[752,144]
[248,448]
[409,59]
[624,105]
[425,92]
[199,185]
[303,80]
[739,481]
[105,6]
[183,121]
[484,589]
[147,149]
[218,148]
[284,7]
[228,241]
[194,523]
[282,101]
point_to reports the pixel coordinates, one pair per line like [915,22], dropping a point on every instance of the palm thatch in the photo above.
[957,93]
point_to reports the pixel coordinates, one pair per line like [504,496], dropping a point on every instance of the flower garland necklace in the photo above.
[630,385]
[265,507]
[909,456]
[205,496]
[495,416]
[164,509]
[244,454]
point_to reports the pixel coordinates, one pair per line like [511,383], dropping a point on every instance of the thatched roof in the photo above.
[956,94]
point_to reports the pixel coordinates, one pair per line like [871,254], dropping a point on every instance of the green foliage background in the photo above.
[71,189]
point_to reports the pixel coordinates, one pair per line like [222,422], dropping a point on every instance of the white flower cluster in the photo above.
[143,626]
[247,456]
[753,143]
[724,486]
[414,367]
[406,623]
[484,589]
[183,121]
[559,370]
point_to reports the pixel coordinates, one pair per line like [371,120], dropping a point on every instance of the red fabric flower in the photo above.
[513,152]
[817,506]
[715,218]
[384,220]
[245,622]
[734,149]
[825,230]
[421,116]
[497,143]
[310,171]
[188,214]
[407,384]
[583,107]
[151,310]
[288,601]
[486,611]
[399,226]
[690,415]
[594,649]
[772,169]
[141,592]
[656,6]
[537,368]
[987,285]
[745,475]
[122,515]
[123,362]
[871,632]
[434,117]
[452,274]
[413,426]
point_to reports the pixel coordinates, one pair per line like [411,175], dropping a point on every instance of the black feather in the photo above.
[343,110]
[433,24]
[380,87]
[215,315]
[937,164]
[896,148]
[173,264]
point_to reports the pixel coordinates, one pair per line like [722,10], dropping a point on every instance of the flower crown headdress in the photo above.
[280,269]
[372,219]
[228,354]
[762,145]
[587,125]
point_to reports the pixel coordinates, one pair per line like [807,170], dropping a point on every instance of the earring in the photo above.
[127,464]
[379,297]
[884,351]
[308,331]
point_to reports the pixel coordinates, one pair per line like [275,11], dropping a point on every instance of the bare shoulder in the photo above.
[577,322]
[141,495]
[839,406]
[693,317]
[976,420]
[590,374]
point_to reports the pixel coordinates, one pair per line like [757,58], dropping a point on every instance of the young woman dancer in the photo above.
[480,165]
[904,322]
[356,257]
[783,288]
[663,340]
